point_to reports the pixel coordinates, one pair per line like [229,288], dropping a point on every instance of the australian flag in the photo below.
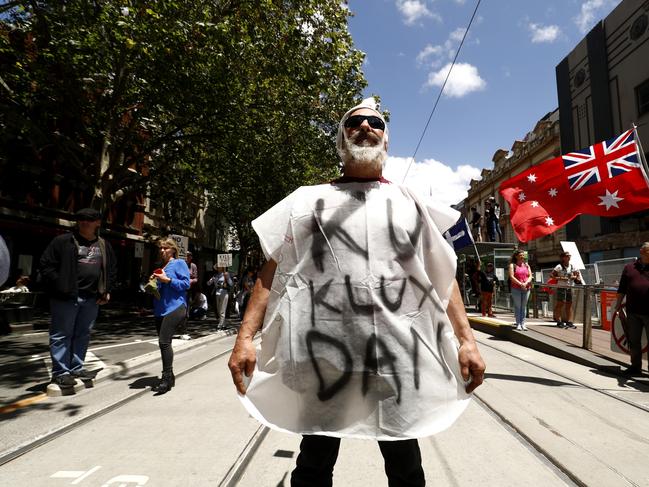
[602,161]
[459,236]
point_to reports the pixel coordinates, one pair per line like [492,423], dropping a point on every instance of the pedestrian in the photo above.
[247,284]
[476,224]
[488,281]
[21,286]
[634,285]
[78,270]
[222,283]
[490,218]
[494,221]
[170,309]
[193,269]
[360,327]
[566,276]
[520,278]
[475,285]
[197,304]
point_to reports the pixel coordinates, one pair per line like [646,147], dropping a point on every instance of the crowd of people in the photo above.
[78,270]
[485,227]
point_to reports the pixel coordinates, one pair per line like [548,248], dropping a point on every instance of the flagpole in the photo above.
[643,162]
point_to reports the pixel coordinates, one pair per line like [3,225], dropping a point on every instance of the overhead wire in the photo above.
[441,91]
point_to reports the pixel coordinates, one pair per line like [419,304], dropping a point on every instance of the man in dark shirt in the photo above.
[634,284]
[78,269]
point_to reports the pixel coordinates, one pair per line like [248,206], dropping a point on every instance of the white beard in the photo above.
[372,156]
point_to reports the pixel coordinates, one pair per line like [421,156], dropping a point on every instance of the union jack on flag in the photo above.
[601,161]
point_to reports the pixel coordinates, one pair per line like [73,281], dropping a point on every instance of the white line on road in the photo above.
[136,342]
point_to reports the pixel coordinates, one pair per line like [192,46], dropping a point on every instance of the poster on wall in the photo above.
[183,244]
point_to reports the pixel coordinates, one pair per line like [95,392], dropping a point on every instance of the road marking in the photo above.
[152,342]
[78,475]
[10,408]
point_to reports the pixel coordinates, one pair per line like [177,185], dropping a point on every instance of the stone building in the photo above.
[539,145]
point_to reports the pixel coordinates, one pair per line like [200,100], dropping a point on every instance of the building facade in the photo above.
[603,88]
[539,145]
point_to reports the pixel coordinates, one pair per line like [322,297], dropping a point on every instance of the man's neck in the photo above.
[362,173]
[87,235]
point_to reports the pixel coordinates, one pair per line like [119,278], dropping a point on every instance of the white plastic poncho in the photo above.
[356,341]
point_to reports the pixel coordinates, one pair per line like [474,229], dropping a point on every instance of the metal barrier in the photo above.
[586,305]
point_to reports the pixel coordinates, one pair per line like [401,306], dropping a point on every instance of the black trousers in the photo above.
[315,463]
[166,326]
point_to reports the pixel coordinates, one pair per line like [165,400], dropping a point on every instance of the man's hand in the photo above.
[103,299]
[242,361]
[471,365]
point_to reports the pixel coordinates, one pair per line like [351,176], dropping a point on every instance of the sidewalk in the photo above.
[545,336]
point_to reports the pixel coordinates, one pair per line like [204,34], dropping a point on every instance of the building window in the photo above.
[642,97]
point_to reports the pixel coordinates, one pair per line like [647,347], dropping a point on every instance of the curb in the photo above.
[120,369]
[544,344]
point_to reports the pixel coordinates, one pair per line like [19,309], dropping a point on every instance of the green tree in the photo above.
[234,97]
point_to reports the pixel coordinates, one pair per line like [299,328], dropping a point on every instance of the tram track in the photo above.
[566,377]
[245,456]
[58,432]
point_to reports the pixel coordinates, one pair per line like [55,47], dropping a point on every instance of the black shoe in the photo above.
[64,380]
[569,324]
[560,324]
[629,371]
[167,381]
[83,374]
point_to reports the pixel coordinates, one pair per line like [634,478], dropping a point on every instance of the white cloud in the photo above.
[540,33]
[434,56]
[415,10]
[429,51]
[591,11]
[463,80]
[447,186]
[457,34]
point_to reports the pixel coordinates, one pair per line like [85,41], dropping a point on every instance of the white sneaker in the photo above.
[519,328]
[524,328]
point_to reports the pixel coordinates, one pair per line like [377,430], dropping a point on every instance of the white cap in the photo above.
[370,103]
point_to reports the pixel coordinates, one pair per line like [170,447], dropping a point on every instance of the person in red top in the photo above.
[520,276]
[634,284]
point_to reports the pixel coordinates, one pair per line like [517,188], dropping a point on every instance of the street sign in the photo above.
[183,244]
[619,340]
[138,251]
[224,260]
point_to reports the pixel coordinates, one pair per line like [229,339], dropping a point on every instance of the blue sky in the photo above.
[502,84]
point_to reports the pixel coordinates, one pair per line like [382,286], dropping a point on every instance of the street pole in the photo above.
[587,339]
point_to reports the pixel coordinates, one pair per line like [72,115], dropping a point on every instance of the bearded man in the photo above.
[364,331]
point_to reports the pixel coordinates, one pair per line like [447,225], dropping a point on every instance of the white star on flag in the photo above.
[553,192]
[610,199]
[531,178]
[521,197]
[535,204]
[549,221]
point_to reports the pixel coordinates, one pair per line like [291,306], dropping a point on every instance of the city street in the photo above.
[537,420]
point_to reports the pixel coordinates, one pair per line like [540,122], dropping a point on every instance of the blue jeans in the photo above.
[519,297]
[72,321]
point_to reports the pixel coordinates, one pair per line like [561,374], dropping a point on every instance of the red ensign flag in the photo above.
[606,179]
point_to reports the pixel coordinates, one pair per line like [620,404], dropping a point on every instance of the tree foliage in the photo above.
[234,97]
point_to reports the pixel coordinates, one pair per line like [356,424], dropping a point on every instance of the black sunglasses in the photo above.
[355,121]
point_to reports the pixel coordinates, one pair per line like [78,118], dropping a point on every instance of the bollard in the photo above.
[587,338]
[535,312]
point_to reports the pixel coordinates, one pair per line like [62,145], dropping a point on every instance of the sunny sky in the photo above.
[502,84]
